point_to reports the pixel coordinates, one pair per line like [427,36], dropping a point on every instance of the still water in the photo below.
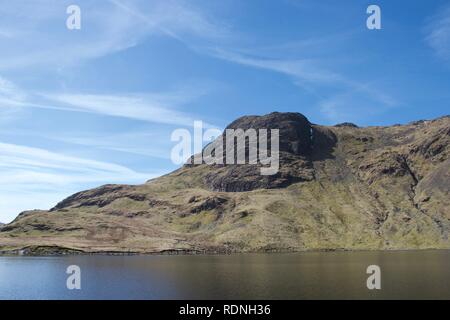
[315,275]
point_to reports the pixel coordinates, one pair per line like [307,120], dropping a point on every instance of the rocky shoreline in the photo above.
[55,251]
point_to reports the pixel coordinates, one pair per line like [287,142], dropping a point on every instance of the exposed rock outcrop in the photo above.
[346,124]
[295,146]
[338,187]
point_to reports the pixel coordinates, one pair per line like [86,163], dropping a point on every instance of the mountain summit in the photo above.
[337,187]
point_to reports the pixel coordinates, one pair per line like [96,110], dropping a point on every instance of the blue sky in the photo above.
[81,108]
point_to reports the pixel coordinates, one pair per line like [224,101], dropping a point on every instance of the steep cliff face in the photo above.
[340,187]
[295,151]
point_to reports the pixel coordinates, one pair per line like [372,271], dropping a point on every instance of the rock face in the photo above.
[295,155]
[295,130]
[339,187]
[346,124]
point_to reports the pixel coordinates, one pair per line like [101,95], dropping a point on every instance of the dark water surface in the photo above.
[315,275]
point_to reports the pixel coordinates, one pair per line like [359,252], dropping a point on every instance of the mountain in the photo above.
[338,187]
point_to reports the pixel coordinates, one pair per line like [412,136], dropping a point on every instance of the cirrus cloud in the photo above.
[438,33]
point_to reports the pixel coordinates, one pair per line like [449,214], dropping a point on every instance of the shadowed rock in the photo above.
[295,129]
[295,146]
[337,187]
[346,124]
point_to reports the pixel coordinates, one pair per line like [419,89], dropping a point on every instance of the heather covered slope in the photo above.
[340,187]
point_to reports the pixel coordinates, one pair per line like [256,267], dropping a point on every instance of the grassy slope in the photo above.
[380,189]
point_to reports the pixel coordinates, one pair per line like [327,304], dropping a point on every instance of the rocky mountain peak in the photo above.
[295,149]
[295,129]
[346,124]
[337,187]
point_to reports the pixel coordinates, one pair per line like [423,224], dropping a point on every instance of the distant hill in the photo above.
[338,187]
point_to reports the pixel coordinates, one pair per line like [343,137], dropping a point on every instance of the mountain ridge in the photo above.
[338,187]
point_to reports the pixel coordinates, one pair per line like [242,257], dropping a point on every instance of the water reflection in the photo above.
[315,275]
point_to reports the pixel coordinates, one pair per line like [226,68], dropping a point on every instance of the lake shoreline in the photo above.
[56,251]
[307,275]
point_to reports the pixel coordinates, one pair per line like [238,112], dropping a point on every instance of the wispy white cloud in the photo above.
[33,33]
[160,107]
[174,18]
[22,157]
[308,74]
[349,106]
[38,35]
[37,175]
[438,33]
[6,34]
[157,108]
[154,144]
[10,92]
[303,69]
[38,178]
[11,98]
